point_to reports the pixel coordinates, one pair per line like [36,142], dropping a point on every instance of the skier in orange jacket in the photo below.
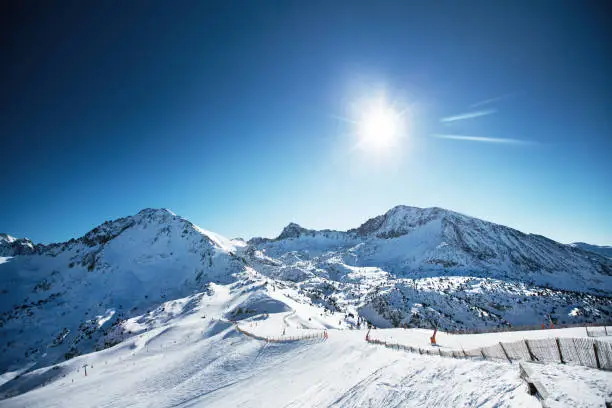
[433,338]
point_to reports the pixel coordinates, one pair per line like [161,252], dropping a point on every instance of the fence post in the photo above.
[576,351]
[606,330]
[505,352]
[595,349]
[531,355]
[560,353]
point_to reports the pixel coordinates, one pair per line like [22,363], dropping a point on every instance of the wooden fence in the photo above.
[591,327]
[577,351]
[598,331]
[282,339]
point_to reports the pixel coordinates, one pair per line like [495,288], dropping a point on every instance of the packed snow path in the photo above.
[229,369]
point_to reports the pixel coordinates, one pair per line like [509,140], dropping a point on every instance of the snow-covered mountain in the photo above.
[61,300]
[598,249]
[410,266]
[11,246]
[422,267]
[409,241]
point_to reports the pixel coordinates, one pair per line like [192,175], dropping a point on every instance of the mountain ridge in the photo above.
[409,266]
[453,240]
[63,299]
[604,250]
[293,230]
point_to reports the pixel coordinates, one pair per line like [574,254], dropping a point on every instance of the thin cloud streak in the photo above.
[484,139]
[469,115]
[491,100]
[343,119]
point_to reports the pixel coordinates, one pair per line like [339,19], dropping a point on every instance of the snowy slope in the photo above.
[431,266]
[598,249]
[61,300]
[407,241]
[197,358]
[409,267]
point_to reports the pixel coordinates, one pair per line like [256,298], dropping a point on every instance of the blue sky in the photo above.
[230,114]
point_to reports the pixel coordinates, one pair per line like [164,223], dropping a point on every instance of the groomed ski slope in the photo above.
[229,369]
[193,357]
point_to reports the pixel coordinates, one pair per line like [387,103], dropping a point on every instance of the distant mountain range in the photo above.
[601,250]
[408,267]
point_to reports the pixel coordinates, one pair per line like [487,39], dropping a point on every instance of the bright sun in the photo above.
[379,126]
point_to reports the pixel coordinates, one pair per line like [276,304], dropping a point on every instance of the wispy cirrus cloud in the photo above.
[492,100]
[468,115]
[484,139]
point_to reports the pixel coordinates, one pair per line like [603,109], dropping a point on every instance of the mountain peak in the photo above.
[292,230]
[158,214]
[7,238]
[399,220]
[11,246]
[110,229]
[156,211]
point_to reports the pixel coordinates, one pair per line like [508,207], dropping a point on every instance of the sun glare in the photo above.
[379,126]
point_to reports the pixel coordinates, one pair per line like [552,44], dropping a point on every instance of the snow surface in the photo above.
[197,358]
[157,294]
[573,386]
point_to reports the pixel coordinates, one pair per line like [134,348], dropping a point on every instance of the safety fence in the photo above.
[598,331]
[590,327]
[577,351]
[283,339]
